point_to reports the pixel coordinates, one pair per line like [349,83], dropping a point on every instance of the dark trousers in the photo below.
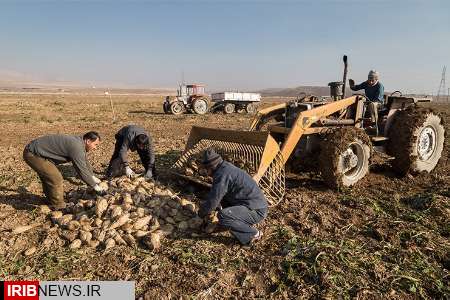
[240,220]
[116,167]
[51,178]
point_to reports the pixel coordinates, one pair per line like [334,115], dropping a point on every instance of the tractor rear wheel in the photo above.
[416,140]
[200,106]
[228,108]
[344,157]
[176,108]
[250,108]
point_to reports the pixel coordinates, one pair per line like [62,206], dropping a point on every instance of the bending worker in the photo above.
[42,154]
[241,202]
[374,91]
[133,138]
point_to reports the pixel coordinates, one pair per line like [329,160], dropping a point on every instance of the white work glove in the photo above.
[96,180]
[100,190]
[129,172]
[148,174]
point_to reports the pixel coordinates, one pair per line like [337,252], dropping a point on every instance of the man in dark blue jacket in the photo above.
[374,91]
[133,138]
[241,202]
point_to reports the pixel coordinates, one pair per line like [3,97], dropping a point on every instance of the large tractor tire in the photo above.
[251,109]
[176,108]
[416,140]
[200,106]
[229,108]
[344,157]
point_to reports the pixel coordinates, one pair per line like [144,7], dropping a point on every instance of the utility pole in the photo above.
[442,89]
[107,93]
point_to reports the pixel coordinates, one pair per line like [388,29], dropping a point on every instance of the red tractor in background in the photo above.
[189,98]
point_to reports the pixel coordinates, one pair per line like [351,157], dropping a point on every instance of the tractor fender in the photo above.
[172,99]
[194,97]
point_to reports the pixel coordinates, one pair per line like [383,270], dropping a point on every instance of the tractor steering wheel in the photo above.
[396,92]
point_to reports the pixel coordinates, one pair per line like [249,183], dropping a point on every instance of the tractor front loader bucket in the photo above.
[258,151]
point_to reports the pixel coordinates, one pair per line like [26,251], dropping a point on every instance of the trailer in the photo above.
[230,102]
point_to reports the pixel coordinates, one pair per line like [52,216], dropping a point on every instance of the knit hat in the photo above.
[211,159]
[373,74]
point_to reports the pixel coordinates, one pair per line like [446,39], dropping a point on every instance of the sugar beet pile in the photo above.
[133,212]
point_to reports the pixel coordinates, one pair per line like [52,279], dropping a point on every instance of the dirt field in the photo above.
[386,238]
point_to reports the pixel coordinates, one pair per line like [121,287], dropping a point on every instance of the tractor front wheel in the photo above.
[177,108]
[200,106]
[416,140]
[344,157]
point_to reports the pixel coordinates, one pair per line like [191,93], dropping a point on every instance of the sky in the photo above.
[228,45]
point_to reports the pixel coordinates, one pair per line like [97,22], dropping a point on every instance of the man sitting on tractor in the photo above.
[374,91]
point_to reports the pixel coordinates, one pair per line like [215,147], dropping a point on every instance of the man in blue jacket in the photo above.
[374,91]
[240,202]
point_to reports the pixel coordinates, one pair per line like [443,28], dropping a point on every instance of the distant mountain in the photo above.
[12,81]
[295,91]
[8,78]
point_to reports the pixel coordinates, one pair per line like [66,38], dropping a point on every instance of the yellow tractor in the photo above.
[330,134]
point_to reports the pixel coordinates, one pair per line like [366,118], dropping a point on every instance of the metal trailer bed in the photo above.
[230,102]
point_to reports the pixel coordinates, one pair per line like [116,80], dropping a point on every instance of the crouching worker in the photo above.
[133,138]
[44,153]
[242,203]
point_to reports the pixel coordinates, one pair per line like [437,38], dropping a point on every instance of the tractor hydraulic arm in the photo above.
[264,113]
[304,120]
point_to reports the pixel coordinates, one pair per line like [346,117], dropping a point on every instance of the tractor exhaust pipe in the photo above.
[345,76]
[337,88]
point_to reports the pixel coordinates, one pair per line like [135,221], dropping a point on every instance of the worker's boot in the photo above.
[58,206]
[371,130]
[255,239]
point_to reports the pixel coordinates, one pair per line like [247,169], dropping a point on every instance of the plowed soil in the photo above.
[388,237]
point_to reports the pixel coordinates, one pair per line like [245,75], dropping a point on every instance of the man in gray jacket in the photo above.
[133,138]
[44,153]
[239,200]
